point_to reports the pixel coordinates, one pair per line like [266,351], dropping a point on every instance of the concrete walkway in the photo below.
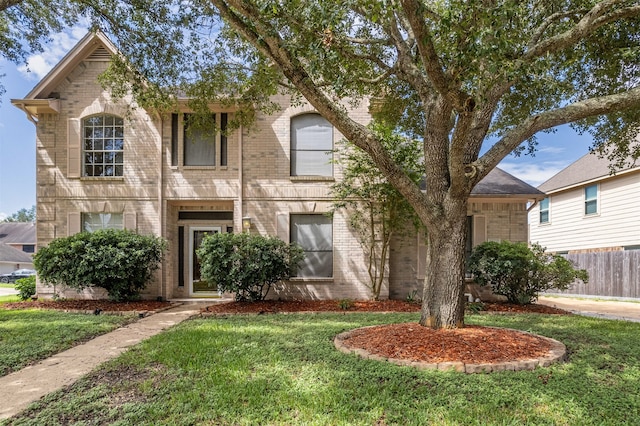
[609,309]
[19,389]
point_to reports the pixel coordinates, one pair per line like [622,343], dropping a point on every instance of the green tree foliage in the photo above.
[247,265]
[120,261]
[25,25]
[22,215]
[26,287]
[474,81]
[519,272]
[376,210]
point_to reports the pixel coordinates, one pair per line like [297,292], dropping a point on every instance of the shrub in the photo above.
[120,261]
[519,272]
[26,287]
[247,265]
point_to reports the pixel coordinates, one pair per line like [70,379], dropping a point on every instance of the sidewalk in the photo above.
[19,389]
[609,309]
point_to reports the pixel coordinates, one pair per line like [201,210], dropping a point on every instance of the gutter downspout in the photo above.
[238,220]
[161,207]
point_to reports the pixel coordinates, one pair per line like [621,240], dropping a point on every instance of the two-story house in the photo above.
[591,215]
[103,165]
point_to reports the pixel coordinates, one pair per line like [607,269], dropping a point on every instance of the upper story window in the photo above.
[202,142]
[311,146]
[591,200]
[94,221]
[103,144]
[544,210]
[199,142]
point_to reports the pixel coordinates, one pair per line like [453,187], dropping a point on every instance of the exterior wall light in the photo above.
[246,223]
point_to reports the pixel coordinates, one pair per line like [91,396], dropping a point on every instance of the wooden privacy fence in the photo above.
[612,273]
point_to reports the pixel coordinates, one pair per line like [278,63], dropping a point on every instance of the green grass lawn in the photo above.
[284,370]
[9,298]
[31,335]
[7,285]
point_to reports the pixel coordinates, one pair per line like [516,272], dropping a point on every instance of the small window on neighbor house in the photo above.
[314,233]
[544,210]
[95,221]
[311,146]
[591,200]
[103,145]
[29,248]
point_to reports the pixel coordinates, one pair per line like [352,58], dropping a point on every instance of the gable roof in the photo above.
[588,168]
[499,183]
[13,255]
[94,46]
[18,233]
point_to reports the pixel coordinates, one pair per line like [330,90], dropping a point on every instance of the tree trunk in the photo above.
[443,294]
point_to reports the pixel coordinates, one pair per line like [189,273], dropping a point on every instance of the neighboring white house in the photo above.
[593,216]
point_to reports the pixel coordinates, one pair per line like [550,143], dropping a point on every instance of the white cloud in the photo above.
[552,150]
[40,64]
[3,216]
[532,173]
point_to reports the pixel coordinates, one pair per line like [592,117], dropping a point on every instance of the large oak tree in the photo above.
[474,80]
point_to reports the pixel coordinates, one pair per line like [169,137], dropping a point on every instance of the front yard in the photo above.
[284,370]
[30,335]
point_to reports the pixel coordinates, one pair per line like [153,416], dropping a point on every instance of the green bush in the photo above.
[120,261]
[26,287]
[519,272]
[247,265]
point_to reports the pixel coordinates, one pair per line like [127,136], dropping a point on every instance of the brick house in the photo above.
[98,167]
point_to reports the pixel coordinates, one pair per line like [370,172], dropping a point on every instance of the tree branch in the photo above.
[597,17]
[550,20]
[548,119]
[6,4]
[414,12]
[268,41]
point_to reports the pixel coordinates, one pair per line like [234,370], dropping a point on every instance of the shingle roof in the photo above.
[586,168]
[18,233]
[13,255]
[499,183]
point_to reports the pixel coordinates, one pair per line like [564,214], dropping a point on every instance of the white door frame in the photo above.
[192,229]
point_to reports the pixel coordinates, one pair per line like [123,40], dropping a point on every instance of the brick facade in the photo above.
[158,195]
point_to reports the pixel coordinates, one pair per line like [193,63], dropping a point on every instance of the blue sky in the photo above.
[17,134]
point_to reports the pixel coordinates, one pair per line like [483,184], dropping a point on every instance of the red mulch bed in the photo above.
[471,344]
[275,306]
[410,341]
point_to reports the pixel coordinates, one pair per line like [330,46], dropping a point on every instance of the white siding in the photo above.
[617,223]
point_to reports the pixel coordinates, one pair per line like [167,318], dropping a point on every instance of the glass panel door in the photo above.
[199,286]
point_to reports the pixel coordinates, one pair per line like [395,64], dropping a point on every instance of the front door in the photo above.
[197,285]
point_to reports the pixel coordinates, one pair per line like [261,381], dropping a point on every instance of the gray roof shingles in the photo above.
[18,233]
[499,183]
[585,169]
[13,255]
